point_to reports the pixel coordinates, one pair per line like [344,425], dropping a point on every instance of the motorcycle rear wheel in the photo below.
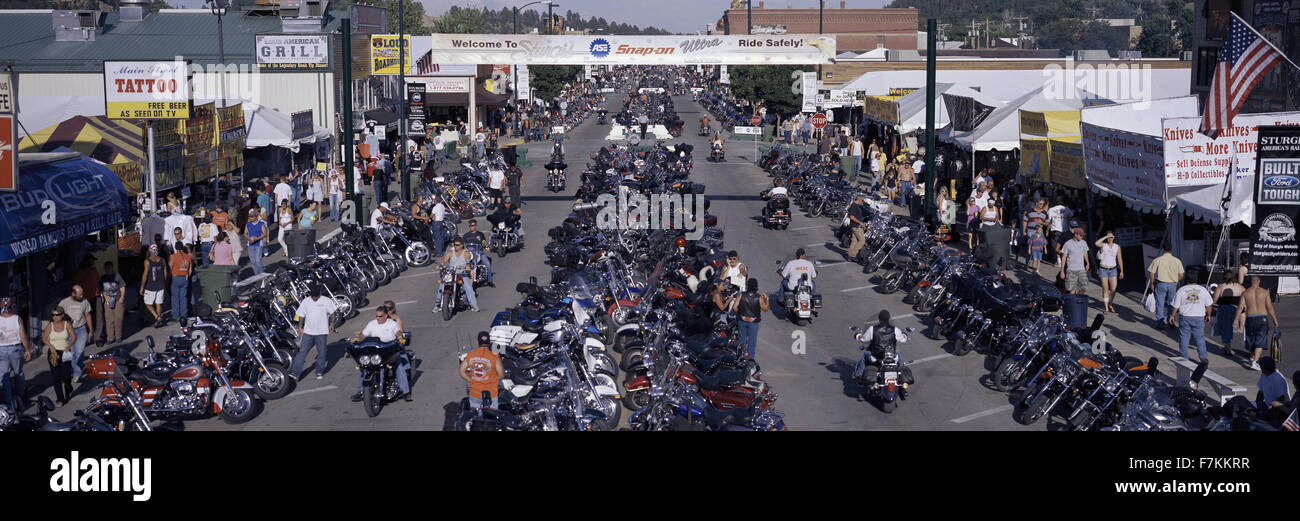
[372,400]
[888,407]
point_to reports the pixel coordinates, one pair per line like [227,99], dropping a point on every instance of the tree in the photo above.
[461,21]
[1156,40]
[768,84]
[549,79]
[413,11]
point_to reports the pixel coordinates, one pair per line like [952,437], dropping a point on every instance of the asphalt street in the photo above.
[810,367]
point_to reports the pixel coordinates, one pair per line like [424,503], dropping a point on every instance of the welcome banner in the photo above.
[631,50]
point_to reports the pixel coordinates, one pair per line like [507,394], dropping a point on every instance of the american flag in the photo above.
[1290,423]
[1244,60]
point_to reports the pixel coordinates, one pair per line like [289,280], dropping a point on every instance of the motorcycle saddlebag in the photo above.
[817,301]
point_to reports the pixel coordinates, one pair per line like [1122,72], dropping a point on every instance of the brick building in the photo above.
[854,29]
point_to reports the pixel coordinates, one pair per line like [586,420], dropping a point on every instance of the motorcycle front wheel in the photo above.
[418,254]
[372,400]
[237,407]
[274,383]
[890,281]
[447,309]
[1035,410]
[1009,373]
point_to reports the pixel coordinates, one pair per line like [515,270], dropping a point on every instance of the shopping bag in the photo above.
[1150,303]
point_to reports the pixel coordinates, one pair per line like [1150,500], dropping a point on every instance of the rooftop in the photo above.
[28,39]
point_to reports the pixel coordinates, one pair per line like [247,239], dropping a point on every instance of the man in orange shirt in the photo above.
[482,369]
[220,217]
[181,263]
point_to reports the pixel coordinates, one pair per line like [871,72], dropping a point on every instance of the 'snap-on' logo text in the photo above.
[103,475]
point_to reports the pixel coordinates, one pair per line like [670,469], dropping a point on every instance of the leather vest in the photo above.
[749,306]
[882,338]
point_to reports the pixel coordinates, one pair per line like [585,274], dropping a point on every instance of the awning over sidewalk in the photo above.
[268,127]
[461,99]
[87,196]
[118,143]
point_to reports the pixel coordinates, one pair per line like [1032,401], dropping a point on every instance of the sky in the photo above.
[682,16]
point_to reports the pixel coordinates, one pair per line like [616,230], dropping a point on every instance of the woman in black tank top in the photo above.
[1227,297]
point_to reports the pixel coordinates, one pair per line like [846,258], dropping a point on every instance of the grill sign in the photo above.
[293,52]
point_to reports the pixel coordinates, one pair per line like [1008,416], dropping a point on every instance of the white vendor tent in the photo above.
[268,127]
[1123,149]
[1010,84]
[1001,129]
[911,108]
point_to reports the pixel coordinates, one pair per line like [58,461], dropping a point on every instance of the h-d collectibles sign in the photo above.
[1274,250]
[632,50]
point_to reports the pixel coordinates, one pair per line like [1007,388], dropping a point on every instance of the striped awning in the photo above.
[117,143]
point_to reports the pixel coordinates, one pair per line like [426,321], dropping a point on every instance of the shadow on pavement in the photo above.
[844,369]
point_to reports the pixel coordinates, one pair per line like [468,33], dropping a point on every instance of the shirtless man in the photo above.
[1252,316]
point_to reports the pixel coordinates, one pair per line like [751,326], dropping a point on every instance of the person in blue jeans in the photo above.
[255,230]
[78,310]
[1194,303]
[181,262]
[15,348]
[749,306]
[384,329]
[314,316]
[1165,272]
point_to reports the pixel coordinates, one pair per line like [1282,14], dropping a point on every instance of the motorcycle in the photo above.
[776,213]
[801,304]
[884,382]
[453,298]
[717,154]
[182,386]
[505,236]
[377,362]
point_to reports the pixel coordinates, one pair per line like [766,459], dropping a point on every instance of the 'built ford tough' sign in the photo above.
[1274,249]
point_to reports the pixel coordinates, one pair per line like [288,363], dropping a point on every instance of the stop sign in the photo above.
[754,120]
[818,120]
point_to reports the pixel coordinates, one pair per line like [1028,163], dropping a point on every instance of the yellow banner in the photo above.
[130,173]
[882,108]
[1034,158]
[148,109]
[385,53]
[902,91]
[1049,123]
[1067,162]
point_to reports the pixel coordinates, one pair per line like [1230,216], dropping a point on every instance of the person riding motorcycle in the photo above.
[475,238]
[879,338]
[385,330]
[704,124]
[458,258]
[777,192]
[795,269]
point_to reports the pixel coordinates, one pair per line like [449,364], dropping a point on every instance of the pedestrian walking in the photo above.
[1192,306]
[153,285]
[1037,245]
[1058,215]
[112,297]
[308,217]
[482,370]
[207,235]
[1227,298]
[515,181]
[255,231]
[749,305]
[181,265]
[496,182]
[1075,264]
[236,243]
[1164,274]
[1110,269]
[336,192]
[1252,317]
[15,349]
[856,151]
[59,336]
[283,192]
[77,309]
[284,218]
[222,254]
[314,326]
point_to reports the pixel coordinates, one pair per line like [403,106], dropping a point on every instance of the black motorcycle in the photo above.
[377,362]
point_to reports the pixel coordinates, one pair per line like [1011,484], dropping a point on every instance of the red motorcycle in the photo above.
[180,386]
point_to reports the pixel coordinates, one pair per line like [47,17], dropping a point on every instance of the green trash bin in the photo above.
[767,132]
[215,279]
[846,164]
[522,161]
[451,151]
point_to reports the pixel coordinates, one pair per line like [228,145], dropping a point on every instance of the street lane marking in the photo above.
[929,358]
[837,263]
[309,391]
[909,315]
[982,414]
[806,228]
[823,243]
[855,289]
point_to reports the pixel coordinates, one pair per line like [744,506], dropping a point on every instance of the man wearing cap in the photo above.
[1075,263]
[482,369]
[381,214]
[1164,274]
[314,327]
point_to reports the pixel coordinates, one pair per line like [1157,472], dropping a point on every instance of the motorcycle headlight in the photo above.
[446,277]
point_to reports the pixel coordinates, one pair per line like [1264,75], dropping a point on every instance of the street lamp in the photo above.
[218,8]
[514,68]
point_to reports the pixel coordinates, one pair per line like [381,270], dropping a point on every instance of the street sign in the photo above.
[748,131]
[755,120]
[818,120]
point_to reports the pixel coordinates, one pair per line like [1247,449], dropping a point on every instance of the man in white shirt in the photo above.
[380,215]
[385,330]
[480,142]
[981,196]
[918,166]
[1057,216]
[1193,302]
[178,219]
[439,214]
[438,144]
[314,327]
[496,182]
[796,269]
[283,192]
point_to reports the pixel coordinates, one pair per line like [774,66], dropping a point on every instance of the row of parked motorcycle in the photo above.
[626,325]
[1051,368]
[228,361]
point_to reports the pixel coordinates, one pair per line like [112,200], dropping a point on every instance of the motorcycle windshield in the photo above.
[581,287]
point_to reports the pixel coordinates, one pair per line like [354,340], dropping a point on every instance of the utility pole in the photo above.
[988,39]
[349,165]
[401,105]
[821,6]
[929,174]
[749,16]
[974,34]
[550,19]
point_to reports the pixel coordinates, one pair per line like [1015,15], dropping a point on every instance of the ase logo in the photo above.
[1281,181]
[599,48]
